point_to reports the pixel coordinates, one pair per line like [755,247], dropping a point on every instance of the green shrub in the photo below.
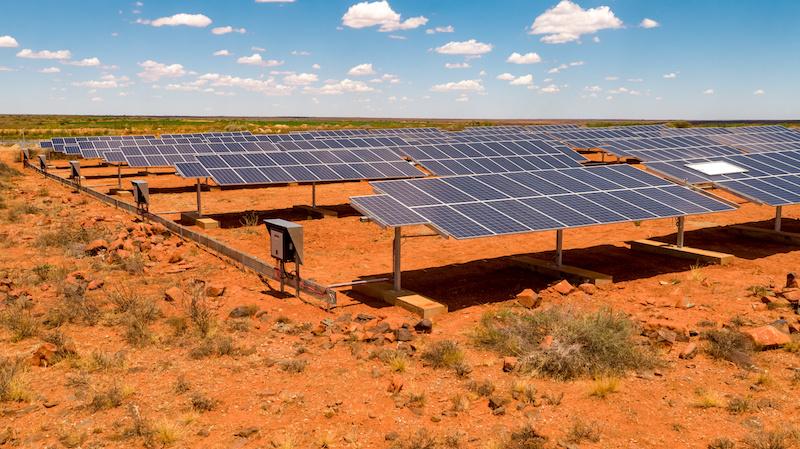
[442,354]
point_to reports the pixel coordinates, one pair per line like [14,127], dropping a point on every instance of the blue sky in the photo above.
[512,59]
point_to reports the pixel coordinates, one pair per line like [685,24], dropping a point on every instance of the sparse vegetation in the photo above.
[770,439]
[442,354]
[485,388]
[421,439]
[603,387]
[525,437]
[739,406]
[294,365]
[721,342]
[722,442]
[581,430]
[202,403]
[14,385]
[201,311]
[707,398]
[583,342]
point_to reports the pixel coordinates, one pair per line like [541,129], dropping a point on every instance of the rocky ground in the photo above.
[116,333]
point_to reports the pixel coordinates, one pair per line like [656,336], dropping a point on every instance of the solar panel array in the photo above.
[771,178]
[498,204]
[492,157]
[763,140]
[667,148]
[298,166]
[331,144]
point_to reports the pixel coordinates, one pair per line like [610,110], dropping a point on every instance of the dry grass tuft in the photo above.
[442,354]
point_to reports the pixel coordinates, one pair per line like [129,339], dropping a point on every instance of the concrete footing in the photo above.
[572,274]
[413,302]
[316,212]
[685,252]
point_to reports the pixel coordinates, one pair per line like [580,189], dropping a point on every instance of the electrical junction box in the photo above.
[43,162]
[141,192]
[286,240]
[75,170]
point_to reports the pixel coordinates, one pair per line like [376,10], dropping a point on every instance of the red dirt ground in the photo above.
[337,399]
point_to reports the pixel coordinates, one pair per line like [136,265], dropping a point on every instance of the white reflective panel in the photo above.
[716,168]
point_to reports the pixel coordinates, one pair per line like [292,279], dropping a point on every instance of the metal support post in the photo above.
[199,204]
[559,247]
[396,263]
[282,273]
[778,211]
[681,223]
[297,278]
[119,176]
[314,195]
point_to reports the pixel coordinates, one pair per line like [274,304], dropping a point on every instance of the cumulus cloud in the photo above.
[45,54]
[92,62]
[522,80]
[192,20]
[447,29]
[222,53]
[550,89]
[303,79]
[301,53]
[257,60]
[316,66]
[361,70]
[394,36]
[576,63]
[463,65]
[758,92]
[567,21]
[611,78]
[527,58]
[228,29]
[460,86]
[649,23]
[636,80]
[8,41]
[366,14]
[254,48]
[153,71]
[268,87]
[709,92]
[592,88]
[506,77]
[470,47]
[97,99]
[670,75]
[344,86]
[6,69]
[50,70]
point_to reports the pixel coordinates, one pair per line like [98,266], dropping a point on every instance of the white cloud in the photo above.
[460,86]
[393,79]
[649,23]
[268,87]
[367,14]
[527,58]
[463,65]
[670,75]
[621,90]
[550,89]
[553,70]
[50,70]
[635,80]
[6,69]
[576,63]
[506,77]
[316,66]
[344,86]
[153,71]
[362,70]
[254,48]
[709,92]
[758,92]
[611,78]
[394,36]
[8,41]
[228,29]
[192,20]
[596,39]
[98,99]
[635,92]
[566,22]
[93,62]
[470,47]
[303,79]
[522,80]
[257,60]
[222,53]
[462,99]
[107,82]
[447,29]
[301,53]
[592,88]
[482,73]
[45,54]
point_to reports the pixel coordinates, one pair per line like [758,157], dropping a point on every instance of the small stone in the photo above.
[436,418]
[498,401]
[589,289]
[510,364]
[792,280]
[375,373]
[396,384]
[564,287]
[381,328]
[204,433]
[752,423]
[95,284]
[424,326]
[449,414]
[529,298]
[767,337]
[246,433]
[44,355]
[742,360]
[499,411]
[683,304]
[547,341]
[567,445]
[391,436]
[689,351]
[243,311]
[371,415]
[215,290]
[96,246]
[403,334]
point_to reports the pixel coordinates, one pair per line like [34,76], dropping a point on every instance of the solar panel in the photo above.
[534,201]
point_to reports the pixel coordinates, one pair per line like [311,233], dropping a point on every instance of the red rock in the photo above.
[337,337]
[589,289]
[175,257]
[529,298]
[655,324]
[123,254]
[45,287]
[793,296]
[79,274]
[510,364]
[44,355]
[396,384]
[64,213]
[389,336]
[70,279]
[97,246]
[683,303]
[173,294]
[127,245]
[95,284]
[689,351]
[792,280]
[116,244]
[767,337]
[214,290]
[564,287]
[547,341]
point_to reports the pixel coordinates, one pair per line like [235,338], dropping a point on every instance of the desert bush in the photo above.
[397,360]
[141,427]
[201,311]
[442,354]
[74,304]
[294,365]
[13,380]
[7,172]
[179,324]
[525,437]
[65,237]
[581,430]
[722,442]
[250,219]
[770,439]
[584,342]
[421,439]
[604,386]
[415,398]
[218,345]
[60,340]
[181,385]
[739,406]
[100,360]
[523,391]
[721,342]
[111,398]
[202,403]
[485,388]
[707,398]
[166,432]
[137,332]
[42,271]
[19,321]
[460,402]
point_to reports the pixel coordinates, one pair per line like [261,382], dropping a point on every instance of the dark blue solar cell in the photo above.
[613,173]
[211,161]
[327,157]
[406,193]
[323,173]
[664,195]
[345,171]
[388,170]
[515,185]
[386,154]
[623,206]
[487,217]
[282,158]
[156,161]
[130,151]
[235,160]
[474,188]
[407,169]
[473,166]
[318,144]
[259,159]
[491,165]
[452,222]
[252,175]
[137,161]
[483,149]
[367,171]
[367,155]
[557,211]
[562,180]
[306,157]
[173,159]
[90,154]
[454,167]
[587,175]
[346,143]
[347,156]
[225,176]
[534,220]
[114,156]
[467,150]
[747,189]
[289,146]
[300,173]
[191,170]
[276,174]
[593,210]
[442,191]
[500,149]
[387,210]
[235,147]
[218,148]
